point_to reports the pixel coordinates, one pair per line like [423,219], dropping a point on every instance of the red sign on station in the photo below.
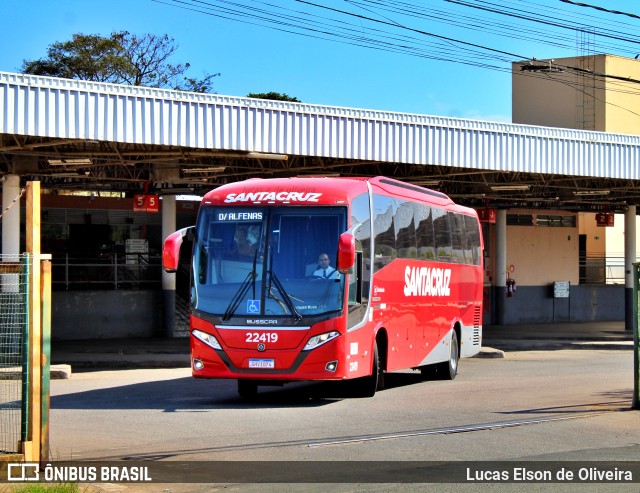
[146,203]
[604,219]
[487,215]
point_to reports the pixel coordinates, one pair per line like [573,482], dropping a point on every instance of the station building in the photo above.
[595,92]
[541,188]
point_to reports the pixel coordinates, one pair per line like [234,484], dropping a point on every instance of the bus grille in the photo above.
[477,318]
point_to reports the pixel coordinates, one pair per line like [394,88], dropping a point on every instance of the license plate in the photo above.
[261,363]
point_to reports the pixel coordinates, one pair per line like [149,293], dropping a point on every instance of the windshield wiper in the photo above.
[242,290]
[250,281]
[287,299]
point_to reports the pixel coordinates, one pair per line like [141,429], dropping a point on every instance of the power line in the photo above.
[396,24]
[348,34]
[528,17]
[436,47]
[426,33]
[602,9]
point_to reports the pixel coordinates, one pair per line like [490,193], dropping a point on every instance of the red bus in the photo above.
[403,288]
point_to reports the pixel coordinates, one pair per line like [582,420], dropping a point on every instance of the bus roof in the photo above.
[294,191]
[322,190]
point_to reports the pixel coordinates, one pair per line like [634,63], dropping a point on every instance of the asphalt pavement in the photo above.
[87,355]
[71,355]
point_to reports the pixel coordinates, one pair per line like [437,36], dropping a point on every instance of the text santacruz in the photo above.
[272,196]
[426,281]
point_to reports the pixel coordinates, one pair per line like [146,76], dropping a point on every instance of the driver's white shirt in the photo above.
[329,273]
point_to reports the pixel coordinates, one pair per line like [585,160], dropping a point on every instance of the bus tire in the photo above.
[367,386]
[448,370]
[248,389]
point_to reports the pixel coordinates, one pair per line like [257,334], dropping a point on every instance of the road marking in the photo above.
[457,429]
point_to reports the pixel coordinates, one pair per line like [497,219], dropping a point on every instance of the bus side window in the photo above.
[442,233]
[405,231]
[458,239]
[355,279]
[385,232]
[203,261]
[425,242]
[473,240]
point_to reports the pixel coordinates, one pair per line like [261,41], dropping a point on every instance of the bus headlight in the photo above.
[208,339]
[316,341]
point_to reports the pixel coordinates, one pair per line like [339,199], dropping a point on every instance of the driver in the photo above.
[324,269]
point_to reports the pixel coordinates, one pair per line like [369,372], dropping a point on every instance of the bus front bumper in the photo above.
[321,363]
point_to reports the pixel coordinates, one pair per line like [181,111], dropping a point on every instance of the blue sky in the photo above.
[254,58]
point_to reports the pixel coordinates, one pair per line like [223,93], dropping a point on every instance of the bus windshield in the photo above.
[265,261]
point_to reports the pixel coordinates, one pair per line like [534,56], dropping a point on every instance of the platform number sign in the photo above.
[605,219]
[146,203]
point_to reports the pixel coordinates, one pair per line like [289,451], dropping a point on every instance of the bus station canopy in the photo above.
[81,135]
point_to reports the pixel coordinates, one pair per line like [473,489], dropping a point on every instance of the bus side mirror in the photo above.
[171,248]
[346,252]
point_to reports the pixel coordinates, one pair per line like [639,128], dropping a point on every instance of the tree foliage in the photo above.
[122,58]
[277,96]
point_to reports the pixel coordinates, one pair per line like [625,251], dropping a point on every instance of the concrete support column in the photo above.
[168,280]
[10,230]
[11,218]
[629,259]
[500,285]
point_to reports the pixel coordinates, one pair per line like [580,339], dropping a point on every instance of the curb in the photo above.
[514,346]
[489,352]
[60,372]
[148,361]
[56,372]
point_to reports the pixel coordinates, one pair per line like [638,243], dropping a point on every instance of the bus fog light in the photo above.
[319,340]
[331,366]
[208,339]
[197,364]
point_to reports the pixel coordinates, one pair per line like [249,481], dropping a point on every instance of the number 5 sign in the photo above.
[146,203]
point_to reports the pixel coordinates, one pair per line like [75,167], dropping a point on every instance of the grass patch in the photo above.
[45,488]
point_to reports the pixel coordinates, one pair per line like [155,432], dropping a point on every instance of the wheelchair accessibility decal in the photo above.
[253,307]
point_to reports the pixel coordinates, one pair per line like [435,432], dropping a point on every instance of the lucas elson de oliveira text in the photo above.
[563,474]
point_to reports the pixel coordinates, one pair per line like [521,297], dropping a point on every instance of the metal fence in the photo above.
[116,271]
[602,270]
[14,322]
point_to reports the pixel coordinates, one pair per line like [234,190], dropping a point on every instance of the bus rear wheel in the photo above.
[448,370]
[248,389]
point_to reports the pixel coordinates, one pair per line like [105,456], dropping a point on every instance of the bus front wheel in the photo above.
[367,386]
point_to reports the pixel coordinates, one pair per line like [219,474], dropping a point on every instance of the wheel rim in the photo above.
[453,360]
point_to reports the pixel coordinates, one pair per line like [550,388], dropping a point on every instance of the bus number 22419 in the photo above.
[261,337]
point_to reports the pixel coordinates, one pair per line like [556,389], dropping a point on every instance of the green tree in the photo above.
[278,96]
[122,58]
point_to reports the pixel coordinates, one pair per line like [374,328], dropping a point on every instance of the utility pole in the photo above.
[636,343]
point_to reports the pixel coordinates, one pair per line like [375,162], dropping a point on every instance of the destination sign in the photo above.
[236,216]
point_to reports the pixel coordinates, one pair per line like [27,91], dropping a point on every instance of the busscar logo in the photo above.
[426,281]
[261,321]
